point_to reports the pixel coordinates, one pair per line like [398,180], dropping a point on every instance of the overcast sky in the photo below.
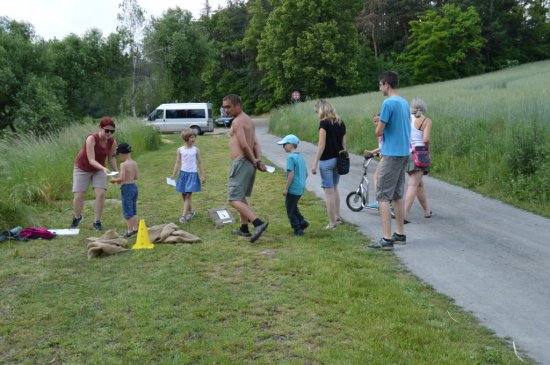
[58,18]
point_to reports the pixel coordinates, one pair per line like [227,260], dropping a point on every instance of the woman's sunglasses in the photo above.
[111,131]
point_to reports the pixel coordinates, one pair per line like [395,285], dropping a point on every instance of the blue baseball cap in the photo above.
[291,138]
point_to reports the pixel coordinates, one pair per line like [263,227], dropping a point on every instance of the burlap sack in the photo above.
[98,248]
[155,233]
[186,236]
[171,233]
[108,244]
[110,237]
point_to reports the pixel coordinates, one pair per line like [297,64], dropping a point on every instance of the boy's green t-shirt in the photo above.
[295,162]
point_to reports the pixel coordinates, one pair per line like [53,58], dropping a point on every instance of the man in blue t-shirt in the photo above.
[296,171]
[395,127]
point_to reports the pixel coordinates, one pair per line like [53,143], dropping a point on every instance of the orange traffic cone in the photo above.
[143,240]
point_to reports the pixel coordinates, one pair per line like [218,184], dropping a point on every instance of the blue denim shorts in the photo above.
[129,195]
[329,173]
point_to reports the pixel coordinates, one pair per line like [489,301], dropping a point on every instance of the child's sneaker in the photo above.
[375,205]
[340,220]
[191,215]
[76,221]
[183,219]
[129,234]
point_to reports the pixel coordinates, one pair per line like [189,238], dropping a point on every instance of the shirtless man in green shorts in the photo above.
[245,155]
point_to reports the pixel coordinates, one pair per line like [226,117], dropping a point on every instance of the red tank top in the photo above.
[100,154]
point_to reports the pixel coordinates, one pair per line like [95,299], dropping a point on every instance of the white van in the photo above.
[176,117]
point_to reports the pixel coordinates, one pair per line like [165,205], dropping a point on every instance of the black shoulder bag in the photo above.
[342,159]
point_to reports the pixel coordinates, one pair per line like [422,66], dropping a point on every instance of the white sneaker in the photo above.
[330,226]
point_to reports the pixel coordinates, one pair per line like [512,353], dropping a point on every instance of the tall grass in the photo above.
[38,169]
[491,133]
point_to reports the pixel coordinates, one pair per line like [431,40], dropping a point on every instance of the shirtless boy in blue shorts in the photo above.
[129,173]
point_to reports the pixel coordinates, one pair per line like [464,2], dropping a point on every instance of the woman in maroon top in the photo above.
[89,167]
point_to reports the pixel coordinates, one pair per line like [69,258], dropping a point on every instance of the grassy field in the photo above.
[323,298]
[491,133]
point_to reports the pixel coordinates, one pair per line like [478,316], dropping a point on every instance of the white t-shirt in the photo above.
[188,158]
[417,136]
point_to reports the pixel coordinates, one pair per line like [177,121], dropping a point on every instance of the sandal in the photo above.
[405,221]
[429,215]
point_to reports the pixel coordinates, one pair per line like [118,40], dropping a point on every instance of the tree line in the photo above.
[260,49]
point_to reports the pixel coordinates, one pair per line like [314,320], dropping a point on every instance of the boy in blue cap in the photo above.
[296,171]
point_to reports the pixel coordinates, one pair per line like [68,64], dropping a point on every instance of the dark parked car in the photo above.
[224,122]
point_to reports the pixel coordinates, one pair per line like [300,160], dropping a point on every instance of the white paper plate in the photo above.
[112,173]
[65,232]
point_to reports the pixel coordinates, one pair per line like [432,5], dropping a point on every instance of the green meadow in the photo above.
[491,133]
[323,298]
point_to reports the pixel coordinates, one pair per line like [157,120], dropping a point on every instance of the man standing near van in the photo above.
[395,126]
[245,155]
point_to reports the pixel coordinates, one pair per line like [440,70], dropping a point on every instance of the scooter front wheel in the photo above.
[354,201]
